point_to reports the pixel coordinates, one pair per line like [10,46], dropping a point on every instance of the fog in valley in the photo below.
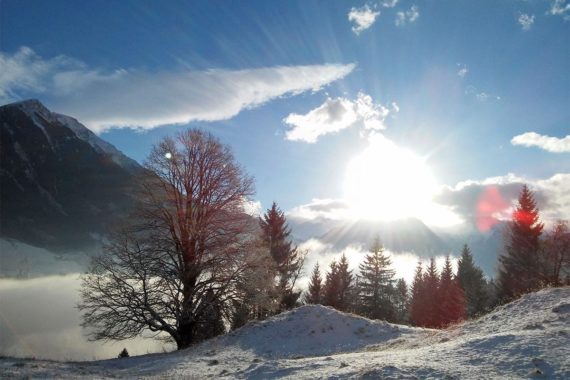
[39,318]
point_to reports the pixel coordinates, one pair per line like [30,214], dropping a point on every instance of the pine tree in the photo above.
[431,288]
[355,296]
[520,270]
[211,324]
[288,261]
[376,288]
[401,301]
[473,284]
[123,354]
[315,291]
[332,286]
[450,297]
[417,303]
[345,284]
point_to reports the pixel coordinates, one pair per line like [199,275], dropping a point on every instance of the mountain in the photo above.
[61,186]
[405,235]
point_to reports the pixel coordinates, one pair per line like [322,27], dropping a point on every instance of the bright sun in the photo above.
[386,182]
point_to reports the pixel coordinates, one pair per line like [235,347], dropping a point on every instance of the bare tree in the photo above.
[556,254]
[177,262]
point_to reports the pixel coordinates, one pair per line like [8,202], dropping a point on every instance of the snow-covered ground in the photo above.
[528,338]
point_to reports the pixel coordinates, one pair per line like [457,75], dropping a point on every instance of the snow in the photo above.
[528,338]
[41,115]
[92,139]
[18,259]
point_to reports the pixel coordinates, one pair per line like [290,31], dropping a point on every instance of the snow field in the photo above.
[528,338]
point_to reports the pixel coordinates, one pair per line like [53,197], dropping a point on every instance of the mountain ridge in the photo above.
[61,185]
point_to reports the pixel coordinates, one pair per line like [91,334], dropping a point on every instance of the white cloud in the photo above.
[335,115]
[485,202]
[526,21]
[363,18]
[481,96]
[327,209]
[26,71]
[460,205]
[389,3]
[140,99]
[548,143]
[409,16]
[404,263]
[560,8]
[463,70]
[395,107]
[252,208]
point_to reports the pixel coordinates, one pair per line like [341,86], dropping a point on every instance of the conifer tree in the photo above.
[450,297]
[315,291]
[124,353]
[288,260]
[332,286]
[417,303]
[473,283]
[345,284]
[211,324]
[431,288]
[401,301]
[375,284]
[355,296]
[519,270]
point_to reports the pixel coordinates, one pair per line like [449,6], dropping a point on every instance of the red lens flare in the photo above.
[490,204]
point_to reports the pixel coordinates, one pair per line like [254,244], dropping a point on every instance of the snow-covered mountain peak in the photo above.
[60,183]
[30,106]
[42,116]
[85,134]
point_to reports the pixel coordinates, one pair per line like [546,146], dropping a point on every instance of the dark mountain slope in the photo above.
[61,186]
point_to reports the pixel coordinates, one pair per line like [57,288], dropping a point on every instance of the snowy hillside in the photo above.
[529,338]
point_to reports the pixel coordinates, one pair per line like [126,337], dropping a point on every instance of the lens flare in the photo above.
[490,207]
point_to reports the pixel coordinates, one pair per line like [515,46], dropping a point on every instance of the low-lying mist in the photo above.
[39,318]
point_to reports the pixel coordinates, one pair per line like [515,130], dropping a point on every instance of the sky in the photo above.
[438,110]
[431,109]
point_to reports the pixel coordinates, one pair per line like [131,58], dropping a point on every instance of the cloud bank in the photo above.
[39,318]
[363,18]
[142,99]
[485,203]
[335,115]
[403,263]
[548,143]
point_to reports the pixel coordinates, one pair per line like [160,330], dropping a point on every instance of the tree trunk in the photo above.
[185,333]
[187,323]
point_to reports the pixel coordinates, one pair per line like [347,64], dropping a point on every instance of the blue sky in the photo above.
[453,82]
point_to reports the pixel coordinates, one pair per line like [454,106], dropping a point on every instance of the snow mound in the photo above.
[528,338]
[547,307]
[312,330]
